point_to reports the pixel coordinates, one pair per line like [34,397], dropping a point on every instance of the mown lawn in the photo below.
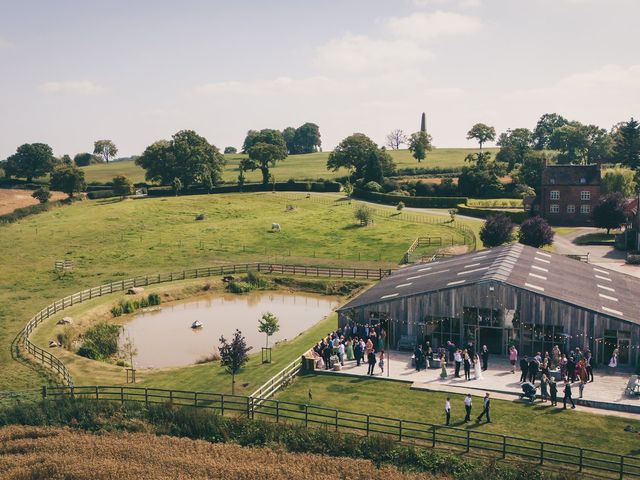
[299,167]
[538,421]
[112,240]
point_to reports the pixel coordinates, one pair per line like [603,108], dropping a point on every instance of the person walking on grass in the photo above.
[447,410]
[567,396]
[486,410]
[467,407]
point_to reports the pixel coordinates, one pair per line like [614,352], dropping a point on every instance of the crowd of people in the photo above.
[364,344]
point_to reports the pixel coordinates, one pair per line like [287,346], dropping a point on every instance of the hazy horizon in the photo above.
[137,72]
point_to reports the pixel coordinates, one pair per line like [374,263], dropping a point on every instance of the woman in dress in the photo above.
[381,339]
[477,367]
[350,355]
[381,361]
[555,357]
[613,362]
[443,371]
[563,366]
[513,358]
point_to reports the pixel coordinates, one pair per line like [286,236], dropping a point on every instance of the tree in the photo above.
[619,179]
[129,350]
[122,186]
[268,325]
[545,127]
[31,160]
[230,150]
[267,148]
[105,148]
[249,140]
[610,211]
[481,178]
[419,145]
[626,149]
[68,179]
[65,160]
[530,172]
[482,133]
[354,152]
[307,138]
[497,229]
[233,356]
[395,138]
[187,156]
[535,232]
[86,159]
[514,147]
[177,186]
[364,214]
[373,169]
[571,141]
[599,145]
[42,194]
[289,135]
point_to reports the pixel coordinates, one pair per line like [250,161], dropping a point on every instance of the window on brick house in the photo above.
[571,209]
[554,208]
[585,195]
[585,208]
[554,195]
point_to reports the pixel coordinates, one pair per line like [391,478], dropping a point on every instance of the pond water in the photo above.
[164,338]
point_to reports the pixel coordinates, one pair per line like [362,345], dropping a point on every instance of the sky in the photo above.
[138,71]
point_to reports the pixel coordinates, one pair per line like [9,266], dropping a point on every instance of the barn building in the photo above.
[509,295]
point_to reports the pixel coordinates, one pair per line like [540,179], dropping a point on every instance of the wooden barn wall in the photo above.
[582,325]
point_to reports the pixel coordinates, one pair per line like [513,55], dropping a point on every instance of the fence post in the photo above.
[468,440]
[433,436]
[248,407]
[367,425]
[400,432]
[621,467]
[195,399]
[277,411]
[336,420]
[580,461]
[44,392]
[121,394]
[541,453]
[222,405]
[306,415]
[97,393]
[504,447]
[146,396]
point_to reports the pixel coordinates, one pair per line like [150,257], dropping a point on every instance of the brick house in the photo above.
[569,193]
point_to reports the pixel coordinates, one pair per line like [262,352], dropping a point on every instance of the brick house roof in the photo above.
[571,175]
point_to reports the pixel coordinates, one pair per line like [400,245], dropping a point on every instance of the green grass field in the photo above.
[397,400]
[110,240]
[299,167]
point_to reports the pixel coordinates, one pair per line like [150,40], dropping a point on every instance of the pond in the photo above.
[164,338]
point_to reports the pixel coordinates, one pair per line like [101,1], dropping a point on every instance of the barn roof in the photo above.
[547,274]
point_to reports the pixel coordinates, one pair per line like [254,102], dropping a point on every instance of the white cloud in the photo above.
[84,87]
[258,88]
[420,26]
[459,3]
[360,53]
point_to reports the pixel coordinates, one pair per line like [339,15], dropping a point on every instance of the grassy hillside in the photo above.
[298,167]
[111,240]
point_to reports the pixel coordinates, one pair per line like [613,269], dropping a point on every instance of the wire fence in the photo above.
[419,434]
[56,365]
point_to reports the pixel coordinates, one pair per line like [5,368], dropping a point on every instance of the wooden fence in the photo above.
[51,361]
[420,434]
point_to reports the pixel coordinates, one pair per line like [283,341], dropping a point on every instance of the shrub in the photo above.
[498,229]
[372,187]
[200,216]
[255,279]
[153,299]
[239,287]
[97,194]
[100,341]
[116,310]
[400,206]
[128,307]
[364,214]
[416,202]
[536,232]
[42,194]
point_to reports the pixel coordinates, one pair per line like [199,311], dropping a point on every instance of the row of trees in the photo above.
[498,230]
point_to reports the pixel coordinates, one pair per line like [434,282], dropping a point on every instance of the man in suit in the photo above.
[371,358]
[447,409]
[418,356]
[533,370]
[567,396]
[486,410]
[589,360]
[457,358]
[485,357]
[357,351]
[467,407]
[524,367]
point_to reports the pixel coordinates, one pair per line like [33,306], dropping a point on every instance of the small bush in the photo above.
[200,216]
[128,307]
[88,351]
[100,341]
[373,187]
[116,311]
[400,206]
[255,279]
[153,299]
[239,287]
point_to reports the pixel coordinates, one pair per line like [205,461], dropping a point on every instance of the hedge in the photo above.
[23,212]
[328,186]
[413,171]
[418,202]
[96,194]
[516,217]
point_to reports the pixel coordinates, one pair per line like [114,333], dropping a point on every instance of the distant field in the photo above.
[298,167]
[11,198]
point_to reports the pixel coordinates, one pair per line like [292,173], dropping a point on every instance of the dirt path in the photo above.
[10,199]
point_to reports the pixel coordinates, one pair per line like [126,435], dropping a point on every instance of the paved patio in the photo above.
[606,390]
